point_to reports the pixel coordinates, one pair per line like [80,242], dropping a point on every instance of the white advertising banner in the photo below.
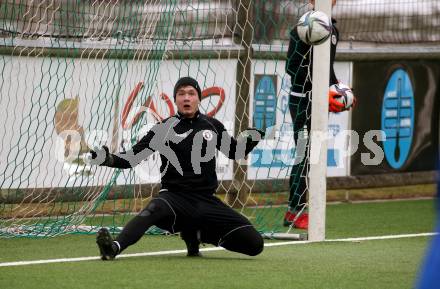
[54,109]
[47,105]
[269,107]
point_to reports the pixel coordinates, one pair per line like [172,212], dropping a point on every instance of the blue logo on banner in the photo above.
[398,118]
[332,157]
[278,158]
[265,103]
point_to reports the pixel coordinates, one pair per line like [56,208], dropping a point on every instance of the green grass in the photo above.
[367,264]
[380,218]
[373,264]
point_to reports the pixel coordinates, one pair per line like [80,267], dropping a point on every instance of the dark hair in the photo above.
[185,81]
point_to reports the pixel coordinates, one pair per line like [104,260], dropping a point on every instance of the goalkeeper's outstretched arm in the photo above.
[123,160]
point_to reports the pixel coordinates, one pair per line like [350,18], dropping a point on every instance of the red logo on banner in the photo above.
[211,91]
[149,104]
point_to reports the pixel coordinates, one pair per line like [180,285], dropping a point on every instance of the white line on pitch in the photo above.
[173,252]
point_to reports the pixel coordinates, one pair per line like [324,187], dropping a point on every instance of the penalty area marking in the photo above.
[173,252]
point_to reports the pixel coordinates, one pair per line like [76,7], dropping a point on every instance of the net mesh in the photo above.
[75,74]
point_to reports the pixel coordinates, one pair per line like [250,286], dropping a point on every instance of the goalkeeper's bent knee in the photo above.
[257,247]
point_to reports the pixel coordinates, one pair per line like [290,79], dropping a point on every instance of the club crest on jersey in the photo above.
[207,135]
[334,40]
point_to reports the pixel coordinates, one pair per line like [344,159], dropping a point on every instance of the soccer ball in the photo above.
[314,27]
[344,94]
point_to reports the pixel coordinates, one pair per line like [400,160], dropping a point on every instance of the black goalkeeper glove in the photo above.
[99,157]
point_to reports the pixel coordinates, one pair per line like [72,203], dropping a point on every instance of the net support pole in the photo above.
[243,32]
[318,145]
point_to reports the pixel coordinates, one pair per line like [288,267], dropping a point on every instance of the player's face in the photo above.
[187,101]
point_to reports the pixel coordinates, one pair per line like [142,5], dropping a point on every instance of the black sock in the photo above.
[133,231]
[192,241]
[157,210]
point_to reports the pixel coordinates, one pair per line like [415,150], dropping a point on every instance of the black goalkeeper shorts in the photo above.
[206,213]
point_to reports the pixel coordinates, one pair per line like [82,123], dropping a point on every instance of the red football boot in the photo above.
[288,218]
[302,222]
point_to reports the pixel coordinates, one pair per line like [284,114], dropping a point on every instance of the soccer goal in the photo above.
[79,74]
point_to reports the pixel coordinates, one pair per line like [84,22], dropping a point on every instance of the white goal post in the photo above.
[318,145]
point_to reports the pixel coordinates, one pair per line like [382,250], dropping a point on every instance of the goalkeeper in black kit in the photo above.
[187,143]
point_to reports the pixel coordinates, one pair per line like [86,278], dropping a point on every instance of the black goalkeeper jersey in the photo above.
[187,150]
[299,61]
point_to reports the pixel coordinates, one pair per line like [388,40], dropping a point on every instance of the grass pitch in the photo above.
[390,263]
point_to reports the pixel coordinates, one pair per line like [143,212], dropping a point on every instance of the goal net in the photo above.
[79,74]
